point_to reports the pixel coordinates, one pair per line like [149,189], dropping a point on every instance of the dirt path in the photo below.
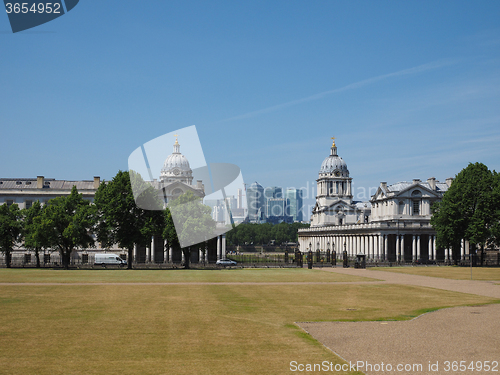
[434,343]
[481,288]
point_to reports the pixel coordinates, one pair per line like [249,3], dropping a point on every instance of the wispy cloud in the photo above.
[405,72]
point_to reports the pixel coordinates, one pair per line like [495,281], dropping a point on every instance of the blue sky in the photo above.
[410,89]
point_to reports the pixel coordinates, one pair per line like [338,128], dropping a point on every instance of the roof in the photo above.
[49,183]
[400,186]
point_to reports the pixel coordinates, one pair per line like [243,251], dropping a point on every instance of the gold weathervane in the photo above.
[176,142]
[333,144]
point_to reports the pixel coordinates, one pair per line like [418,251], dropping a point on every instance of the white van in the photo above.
[108,259]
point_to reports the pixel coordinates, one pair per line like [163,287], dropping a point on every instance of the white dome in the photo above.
[176,165]
[176,161]
[334,163]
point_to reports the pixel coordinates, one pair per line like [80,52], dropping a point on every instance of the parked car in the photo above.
[226,262]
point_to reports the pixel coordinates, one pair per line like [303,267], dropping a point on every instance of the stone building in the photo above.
[394,226]
[176,178]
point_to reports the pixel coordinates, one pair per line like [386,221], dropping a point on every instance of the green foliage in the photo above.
[35,238]
[10,229]
[120,220]
[194,224]
[66,224]
[262,234]
[470,209]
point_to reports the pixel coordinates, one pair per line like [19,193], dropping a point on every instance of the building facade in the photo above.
[176,178]
[393,227]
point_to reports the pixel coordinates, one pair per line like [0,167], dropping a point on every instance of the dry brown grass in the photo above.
[188,329]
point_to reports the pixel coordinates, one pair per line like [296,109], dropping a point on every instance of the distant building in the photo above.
[393,226]
[176,177]
[294,204]
[255,202]
[25,191]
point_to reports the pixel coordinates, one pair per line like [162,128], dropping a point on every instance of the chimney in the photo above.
[199,184]
[432,182]
[449,180]
[383,185]
[97,182]
[416,180]
[39,182]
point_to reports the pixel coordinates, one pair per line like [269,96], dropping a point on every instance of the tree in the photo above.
[193,224]
[469,210]
[34,236]
[120,220]
[10,230]
[66,224]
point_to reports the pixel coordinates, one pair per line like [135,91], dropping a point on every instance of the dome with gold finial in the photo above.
[176,164]
[334,163]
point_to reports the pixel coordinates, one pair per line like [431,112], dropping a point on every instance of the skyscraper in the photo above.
[255,202]
[294,203]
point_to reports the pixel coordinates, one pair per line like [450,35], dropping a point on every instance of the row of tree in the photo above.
[263,234]
[469,210]
[71,222]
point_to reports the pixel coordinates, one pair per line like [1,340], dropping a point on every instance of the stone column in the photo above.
[462,249]
[134,255]
[152,249]
[219,248]
[380,247]
[165,252]
[403,247]
[369,243]
[418,248]
[430,246]
[434,249]
[398,249]
[224,246]
[386,243]
[414,248]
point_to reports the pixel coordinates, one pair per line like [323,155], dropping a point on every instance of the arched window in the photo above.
[416,193]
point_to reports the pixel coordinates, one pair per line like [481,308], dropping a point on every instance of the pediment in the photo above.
[426,192]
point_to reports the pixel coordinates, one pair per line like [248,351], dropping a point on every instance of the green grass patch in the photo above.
[172,276]
[447,272]
[190,329]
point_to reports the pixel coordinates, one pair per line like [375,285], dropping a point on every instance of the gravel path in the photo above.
[469,334]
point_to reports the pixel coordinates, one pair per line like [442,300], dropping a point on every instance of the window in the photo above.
[401,207]
[416,207]
[19,182]
[27,258]
[85,258]
[28,204]
[46,258]
[9,202]
[416,193]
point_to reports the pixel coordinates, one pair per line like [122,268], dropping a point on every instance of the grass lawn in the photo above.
[172,276]
[188,329]
[447,272]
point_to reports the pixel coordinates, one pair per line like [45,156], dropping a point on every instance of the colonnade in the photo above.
[379,246]
[168,255]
